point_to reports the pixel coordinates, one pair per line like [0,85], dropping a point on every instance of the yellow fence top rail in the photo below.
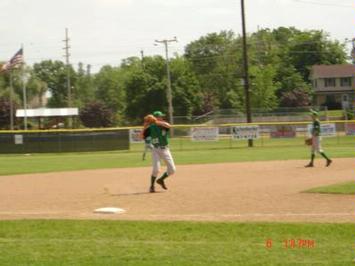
[175,126]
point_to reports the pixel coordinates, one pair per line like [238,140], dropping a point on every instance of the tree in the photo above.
[146,87]
[54,74]
[95,115]
[295,98]
[4,113]
[84,86]
[187,97]
[144,94]
[216,61]
[314,47]
[264,88]
[109,88]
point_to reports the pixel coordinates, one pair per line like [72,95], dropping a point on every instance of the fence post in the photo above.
[230,138]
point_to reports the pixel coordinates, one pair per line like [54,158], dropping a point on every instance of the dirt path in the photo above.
[258,191]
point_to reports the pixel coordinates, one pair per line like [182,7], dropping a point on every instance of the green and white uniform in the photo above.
[316,143]
[158,137]
[316,137]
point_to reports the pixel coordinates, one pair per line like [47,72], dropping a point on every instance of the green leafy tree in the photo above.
[109,88]
[314,47]
[96,114]
[84,86]
[145,87]
[187,97]
[54,74]
[4,113]
[264,88]
[295,98]
[215,60]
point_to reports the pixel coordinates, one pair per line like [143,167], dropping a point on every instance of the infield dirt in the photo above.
[252,191]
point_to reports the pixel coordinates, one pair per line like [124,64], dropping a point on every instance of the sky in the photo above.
[107,31]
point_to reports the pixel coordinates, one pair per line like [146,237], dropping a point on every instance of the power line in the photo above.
[322,3]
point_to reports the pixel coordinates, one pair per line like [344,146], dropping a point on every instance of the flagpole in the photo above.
[11,103]
[24,89]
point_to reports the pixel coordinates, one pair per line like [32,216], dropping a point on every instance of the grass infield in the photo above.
[37,163]
[61,242]
[342,188]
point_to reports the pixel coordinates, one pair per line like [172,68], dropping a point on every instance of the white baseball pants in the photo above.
[316,145]
[165,155]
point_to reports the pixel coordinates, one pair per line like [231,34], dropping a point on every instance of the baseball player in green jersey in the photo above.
[156,135]
[316,140]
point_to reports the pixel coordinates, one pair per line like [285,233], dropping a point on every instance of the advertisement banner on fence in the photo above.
[135,135]
[245,132]
[350,129]
[283,132]
[204,133]
[326,130]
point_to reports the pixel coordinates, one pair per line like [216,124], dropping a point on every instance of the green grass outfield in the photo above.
[347,188]
[173,243]
[202,153]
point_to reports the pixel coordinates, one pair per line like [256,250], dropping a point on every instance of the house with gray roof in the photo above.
[334,85]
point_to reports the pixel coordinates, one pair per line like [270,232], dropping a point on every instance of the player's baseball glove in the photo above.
[308,141]
[149,119]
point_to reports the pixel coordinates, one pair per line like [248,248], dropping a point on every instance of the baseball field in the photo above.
[230,206]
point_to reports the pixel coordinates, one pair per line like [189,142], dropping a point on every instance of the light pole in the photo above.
[25,79]
[169,93]
[353,58]
[246,72]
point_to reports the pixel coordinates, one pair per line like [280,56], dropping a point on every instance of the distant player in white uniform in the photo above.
[156,136]
[316,141]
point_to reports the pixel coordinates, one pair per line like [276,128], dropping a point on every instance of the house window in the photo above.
[345,98]
[329,82]
[345,82]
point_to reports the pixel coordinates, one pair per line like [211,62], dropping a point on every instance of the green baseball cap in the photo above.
[158,114]
[313,112]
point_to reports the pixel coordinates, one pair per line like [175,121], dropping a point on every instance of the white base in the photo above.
[109,210]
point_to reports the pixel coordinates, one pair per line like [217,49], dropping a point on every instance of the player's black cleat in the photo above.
[309,165]
[162,184]
[328,162]
[152,189]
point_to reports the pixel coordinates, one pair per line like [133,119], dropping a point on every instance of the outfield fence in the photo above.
[264,134]
[183,137]
[56,141]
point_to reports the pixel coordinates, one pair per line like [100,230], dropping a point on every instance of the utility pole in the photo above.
[67,55]
[246,73]
[169,93]
[353,51]
[142,58]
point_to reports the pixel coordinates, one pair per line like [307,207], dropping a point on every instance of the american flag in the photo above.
[16,60]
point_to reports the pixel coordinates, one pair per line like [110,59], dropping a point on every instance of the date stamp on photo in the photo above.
[293,243]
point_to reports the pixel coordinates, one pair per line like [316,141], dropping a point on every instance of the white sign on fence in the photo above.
[326,130]
[135,135]
[245,132]
[18,139]
[204,133]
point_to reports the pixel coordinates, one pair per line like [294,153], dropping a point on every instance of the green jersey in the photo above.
[158,136]
[316,128]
